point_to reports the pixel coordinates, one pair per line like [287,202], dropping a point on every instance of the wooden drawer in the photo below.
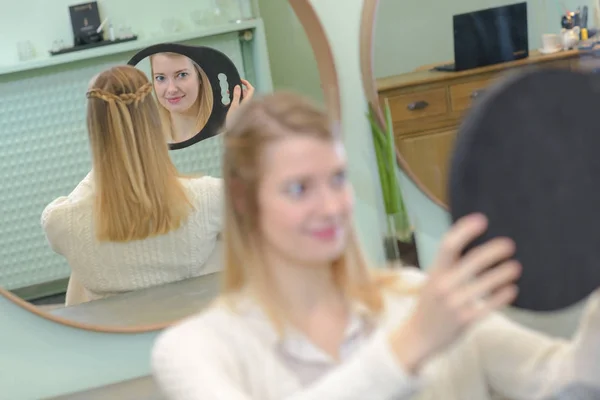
[428,155]
[419,110]
[462,94]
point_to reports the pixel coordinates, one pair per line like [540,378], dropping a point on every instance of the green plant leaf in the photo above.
[385,153]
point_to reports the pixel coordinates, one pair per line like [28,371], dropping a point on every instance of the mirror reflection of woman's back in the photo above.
[132,222]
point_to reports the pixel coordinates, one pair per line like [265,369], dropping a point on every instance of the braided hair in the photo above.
[125,98]
[138,189]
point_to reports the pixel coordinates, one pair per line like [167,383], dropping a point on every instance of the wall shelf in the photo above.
[102,51]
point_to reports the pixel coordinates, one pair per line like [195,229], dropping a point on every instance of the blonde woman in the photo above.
[302,317]
[133,222]
[185,95]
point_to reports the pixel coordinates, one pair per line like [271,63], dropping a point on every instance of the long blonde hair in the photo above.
[138,193]
[204,101]
[256,124]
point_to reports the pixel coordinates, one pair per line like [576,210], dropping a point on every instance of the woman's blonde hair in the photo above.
[254,126]
[204,101]
[138,192]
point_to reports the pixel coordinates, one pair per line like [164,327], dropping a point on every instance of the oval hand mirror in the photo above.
[526,156]
[192,85]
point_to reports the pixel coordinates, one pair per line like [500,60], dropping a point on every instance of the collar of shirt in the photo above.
[295,344]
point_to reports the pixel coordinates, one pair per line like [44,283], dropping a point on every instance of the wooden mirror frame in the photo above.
[367,59]
[329,79]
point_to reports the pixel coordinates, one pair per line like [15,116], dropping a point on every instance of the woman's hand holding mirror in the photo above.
[247,90]
[461,289]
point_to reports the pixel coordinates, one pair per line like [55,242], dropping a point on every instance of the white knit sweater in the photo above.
[101,269]
[226,355]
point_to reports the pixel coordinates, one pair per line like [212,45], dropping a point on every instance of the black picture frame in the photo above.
[85,20]
[213,62]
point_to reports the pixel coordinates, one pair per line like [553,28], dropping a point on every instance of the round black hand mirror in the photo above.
[526,156]
[192,85]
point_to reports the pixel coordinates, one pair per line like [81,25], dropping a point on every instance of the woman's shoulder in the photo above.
[202,181]
[213,344]
[208,330]
[203,184]
[217,317]
[82,195]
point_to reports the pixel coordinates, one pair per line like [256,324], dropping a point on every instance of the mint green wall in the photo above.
[42,22]
[341,20]
[293,64]
[43,359]
[411,33]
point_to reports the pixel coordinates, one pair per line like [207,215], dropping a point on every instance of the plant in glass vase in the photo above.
[399,229]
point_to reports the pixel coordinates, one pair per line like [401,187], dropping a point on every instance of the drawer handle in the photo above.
[476,93]
[417,105]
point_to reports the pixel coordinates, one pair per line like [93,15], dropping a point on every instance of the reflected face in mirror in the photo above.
[176,82]
[184,94]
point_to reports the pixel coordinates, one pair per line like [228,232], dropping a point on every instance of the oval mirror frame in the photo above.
[214,63]
[367,59]
[329,78]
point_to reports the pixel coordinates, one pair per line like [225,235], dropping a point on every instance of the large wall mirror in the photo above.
[429,103]
[430,70]
[44,113]
[192,84]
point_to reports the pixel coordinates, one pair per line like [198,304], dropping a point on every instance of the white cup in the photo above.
[551,42]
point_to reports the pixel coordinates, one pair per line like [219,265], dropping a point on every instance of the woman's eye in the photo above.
[296,189]
[339,179]
[183,74]
[159,78]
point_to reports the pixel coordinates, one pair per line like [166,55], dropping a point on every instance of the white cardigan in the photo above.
[100,269]
[222,355]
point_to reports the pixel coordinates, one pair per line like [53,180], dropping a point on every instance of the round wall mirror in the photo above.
[440,103]
[193,86]
[431,84]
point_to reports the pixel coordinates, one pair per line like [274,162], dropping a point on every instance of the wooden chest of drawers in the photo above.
[427,107]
